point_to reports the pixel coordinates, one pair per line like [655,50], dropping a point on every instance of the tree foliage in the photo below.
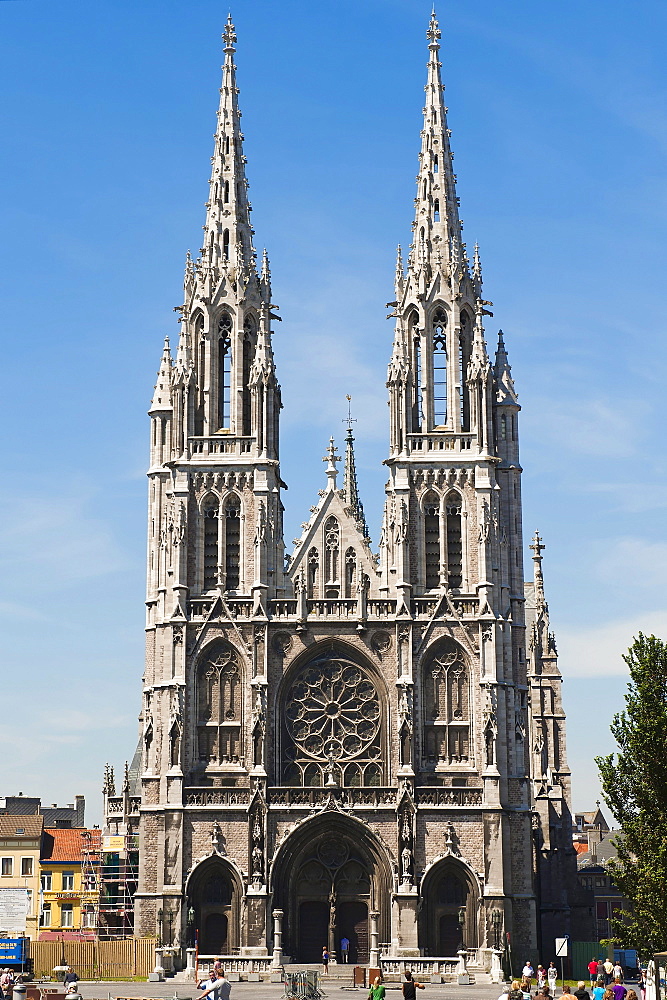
[634,784]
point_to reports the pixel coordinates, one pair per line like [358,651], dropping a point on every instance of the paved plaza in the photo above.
[273,991]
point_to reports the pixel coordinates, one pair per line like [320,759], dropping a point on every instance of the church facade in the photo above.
[342,743]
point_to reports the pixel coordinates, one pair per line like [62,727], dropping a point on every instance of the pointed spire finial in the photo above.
[350,485]
[229,35]
[331,458]
[433,34]
[537,546]
[477,265]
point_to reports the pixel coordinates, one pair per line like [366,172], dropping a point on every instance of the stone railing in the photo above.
[442,442]
[238,607]
[445,965]
[447,796]
[233,964]
[308,798]
[221,444]
[425,607]
[115,805]
[228,797]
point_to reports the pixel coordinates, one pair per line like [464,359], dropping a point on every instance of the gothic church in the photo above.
[344,743]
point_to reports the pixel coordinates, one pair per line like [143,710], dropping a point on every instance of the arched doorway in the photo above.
[328,877]
[214,896]
[449,911]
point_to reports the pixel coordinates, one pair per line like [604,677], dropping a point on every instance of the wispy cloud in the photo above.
[56,535]
[597,651]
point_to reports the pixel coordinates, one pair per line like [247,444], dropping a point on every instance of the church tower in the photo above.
[346,744]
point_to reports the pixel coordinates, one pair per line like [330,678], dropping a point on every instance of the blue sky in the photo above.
[559,121]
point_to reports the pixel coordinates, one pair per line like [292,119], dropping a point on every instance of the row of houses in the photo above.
[59,879]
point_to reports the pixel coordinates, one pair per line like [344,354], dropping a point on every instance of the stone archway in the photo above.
[214,894]
[328,876]
[449,912]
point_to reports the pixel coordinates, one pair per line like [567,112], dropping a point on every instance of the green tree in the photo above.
[634,784]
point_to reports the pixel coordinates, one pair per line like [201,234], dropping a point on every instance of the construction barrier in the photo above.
[121,959]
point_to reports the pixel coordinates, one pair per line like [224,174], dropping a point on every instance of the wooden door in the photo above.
[215,935]
[313,930]
[450,935]
[352,923]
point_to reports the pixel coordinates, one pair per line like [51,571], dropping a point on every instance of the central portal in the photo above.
[332,890]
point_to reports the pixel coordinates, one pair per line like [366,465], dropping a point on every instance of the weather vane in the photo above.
[349,419]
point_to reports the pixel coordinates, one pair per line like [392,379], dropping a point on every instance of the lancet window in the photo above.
[464,358]
[350,573]
[210,534]
[332,725]
[417,405]
[439,368]
[431,513]
[232,543]
[200,342]
[313,573]
[219,706]
[454,542]
[248,345]
[332,557]
[446,707]
[224,370]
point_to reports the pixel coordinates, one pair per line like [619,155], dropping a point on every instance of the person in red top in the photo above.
[593,971]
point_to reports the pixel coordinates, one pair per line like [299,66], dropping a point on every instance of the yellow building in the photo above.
[69,882]
[20,846]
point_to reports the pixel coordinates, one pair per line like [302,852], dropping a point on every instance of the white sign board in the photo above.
[14,906]
[561,947]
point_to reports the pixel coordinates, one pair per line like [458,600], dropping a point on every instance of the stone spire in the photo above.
[350,486]
[437,227]
[538,546]
[228,233]
[502,371]
[162,395]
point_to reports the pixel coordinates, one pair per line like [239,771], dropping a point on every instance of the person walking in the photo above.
[608,970]
[541,977]
[377,990]
[527,973]
[581,993]
[345,949]
[410,986]
[70,977]
[593,971]
[598,991]
[600,969]
[516,993]
[552,977]
[216,985]
[325,961]
[618,989]
[618,971]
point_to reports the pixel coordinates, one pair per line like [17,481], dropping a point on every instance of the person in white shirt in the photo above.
[216,985]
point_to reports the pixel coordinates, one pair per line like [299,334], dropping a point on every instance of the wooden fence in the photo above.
[95,959]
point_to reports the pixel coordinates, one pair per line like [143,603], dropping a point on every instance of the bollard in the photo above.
[19,991]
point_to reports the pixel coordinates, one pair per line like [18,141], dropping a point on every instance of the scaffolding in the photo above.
[91,857]
[118,884]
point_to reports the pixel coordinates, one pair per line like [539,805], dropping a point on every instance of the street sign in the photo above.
[561,947]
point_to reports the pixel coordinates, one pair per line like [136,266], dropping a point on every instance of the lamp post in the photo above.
[160,920]
[496,968]
[461,971]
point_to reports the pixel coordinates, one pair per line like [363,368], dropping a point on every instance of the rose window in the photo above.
[332,721]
